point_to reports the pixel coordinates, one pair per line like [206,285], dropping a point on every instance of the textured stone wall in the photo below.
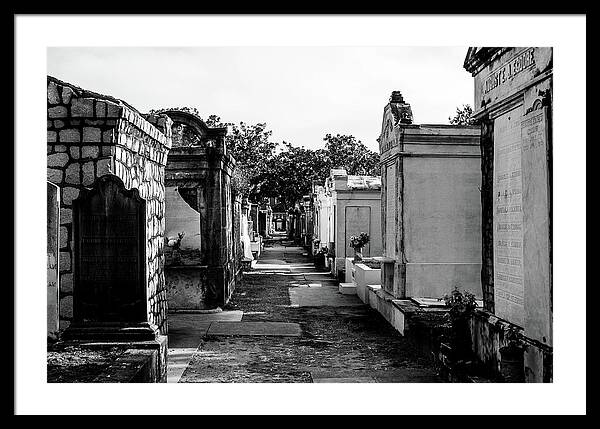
[488,337]
[91,135]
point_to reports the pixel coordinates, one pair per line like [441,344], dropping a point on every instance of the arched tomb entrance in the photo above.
[203,260]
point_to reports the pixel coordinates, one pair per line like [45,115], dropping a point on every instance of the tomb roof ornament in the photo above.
[401,110]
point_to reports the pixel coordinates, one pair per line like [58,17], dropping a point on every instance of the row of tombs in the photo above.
[466,207]
[142,219]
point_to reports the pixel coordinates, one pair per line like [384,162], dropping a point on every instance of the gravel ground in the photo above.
[77,365]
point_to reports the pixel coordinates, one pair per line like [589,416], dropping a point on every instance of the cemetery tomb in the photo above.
[203,264]
[513,103]
[430,205]
[108,162]
[354,207]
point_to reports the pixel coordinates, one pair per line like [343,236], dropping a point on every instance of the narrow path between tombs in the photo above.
[287,322]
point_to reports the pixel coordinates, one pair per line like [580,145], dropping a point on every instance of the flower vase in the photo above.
[358,254]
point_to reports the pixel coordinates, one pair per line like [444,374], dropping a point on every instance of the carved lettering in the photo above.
[509,70]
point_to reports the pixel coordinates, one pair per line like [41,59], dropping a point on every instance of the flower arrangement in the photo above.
[359,241]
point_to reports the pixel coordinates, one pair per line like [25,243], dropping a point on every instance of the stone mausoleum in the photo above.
[203,216]
[430,205]
[347,205]
[106,164]
[513,105]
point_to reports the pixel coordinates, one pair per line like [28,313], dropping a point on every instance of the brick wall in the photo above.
[91,135]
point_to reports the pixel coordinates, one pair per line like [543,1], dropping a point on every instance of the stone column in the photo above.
[53,213]
[214,217]
[487,212]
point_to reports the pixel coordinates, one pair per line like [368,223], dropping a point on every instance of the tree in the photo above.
[344,151]
[463,116]
[249,144]
[214,121]
[252,148]
[290,174]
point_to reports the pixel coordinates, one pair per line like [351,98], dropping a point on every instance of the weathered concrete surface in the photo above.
[179,359]
[404,375]
[343,379]
[430,206]
[108,362]
[274,329]
[326,296]
[338,343]
[186,330]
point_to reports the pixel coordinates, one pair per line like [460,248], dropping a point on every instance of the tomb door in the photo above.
[110,249]
[357,220]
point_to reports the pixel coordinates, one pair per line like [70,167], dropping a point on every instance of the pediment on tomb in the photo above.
[189,130]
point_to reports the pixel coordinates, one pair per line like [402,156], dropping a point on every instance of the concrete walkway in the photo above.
[287,322]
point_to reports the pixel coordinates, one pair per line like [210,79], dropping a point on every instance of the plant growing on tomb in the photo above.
[462,306]
[512,340]
[512,355]
[463,116]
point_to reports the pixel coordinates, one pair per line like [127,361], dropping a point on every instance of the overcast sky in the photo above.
[302,93]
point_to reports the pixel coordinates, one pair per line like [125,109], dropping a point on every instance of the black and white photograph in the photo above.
[384,215]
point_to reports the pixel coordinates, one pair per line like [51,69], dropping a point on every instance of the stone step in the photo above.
[347,288]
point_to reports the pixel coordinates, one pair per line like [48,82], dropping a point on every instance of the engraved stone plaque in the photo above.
[109,254]
[357,220]
[53,214]
[536,227]
[508,218]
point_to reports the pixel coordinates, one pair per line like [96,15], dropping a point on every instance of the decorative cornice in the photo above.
[477,58]
[406,154]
